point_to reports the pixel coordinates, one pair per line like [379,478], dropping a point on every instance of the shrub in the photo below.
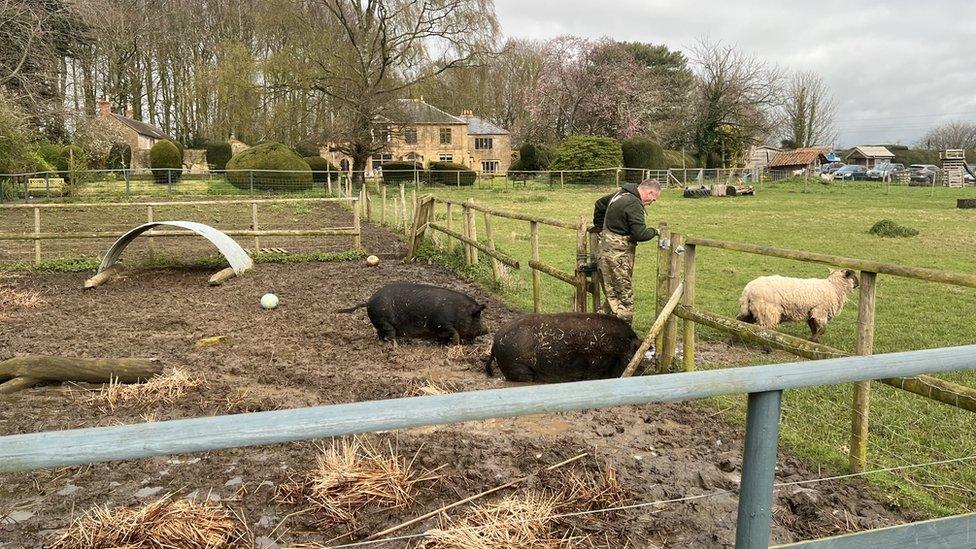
[402,171]
[306,148]
[294,175]
[678,159]
[533,157]
[321,168]
[643,154]
[119,157]
[50,153]
[588,152]
[166,162]
[449,173]
[218,154]
[888,228]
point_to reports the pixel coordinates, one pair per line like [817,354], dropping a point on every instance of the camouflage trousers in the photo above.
[616,266]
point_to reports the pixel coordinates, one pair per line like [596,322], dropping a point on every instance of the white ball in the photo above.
[372,261]
[269,301]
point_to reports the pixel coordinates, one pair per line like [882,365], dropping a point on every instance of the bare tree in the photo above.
[951,135]
[808,111]
[386,46]
[733,99]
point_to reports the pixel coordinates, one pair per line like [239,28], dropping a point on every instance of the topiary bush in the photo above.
[888,228]
[642,154]
[588,152]
[307,148]
[449,173]
[321,168]
[166,162]
[119,157]
[218,154]
[291,172]
[532,158]
[402,171]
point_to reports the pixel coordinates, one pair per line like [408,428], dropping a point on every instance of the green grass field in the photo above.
[905,429]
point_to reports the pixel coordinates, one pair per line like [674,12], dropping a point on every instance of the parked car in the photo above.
[923,173]
[831,167]
[968,177]
[851,172]
[886,170]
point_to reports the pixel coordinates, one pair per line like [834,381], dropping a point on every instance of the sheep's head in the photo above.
[848,276]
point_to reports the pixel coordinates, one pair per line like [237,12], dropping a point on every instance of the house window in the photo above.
[383,136]
[410,136]
[483,143]
[489,166]
[446,157]
[380,159]
[445,136]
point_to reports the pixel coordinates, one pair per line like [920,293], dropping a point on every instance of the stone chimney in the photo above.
[104,107]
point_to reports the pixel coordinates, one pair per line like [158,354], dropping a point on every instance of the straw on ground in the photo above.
[165,388]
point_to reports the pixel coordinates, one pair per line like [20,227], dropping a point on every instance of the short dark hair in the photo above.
[650,184]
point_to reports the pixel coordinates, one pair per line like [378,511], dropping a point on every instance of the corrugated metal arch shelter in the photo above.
[238,258]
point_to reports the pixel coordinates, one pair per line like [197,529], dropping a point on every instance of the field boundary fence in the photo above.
[38,235]
[764,386]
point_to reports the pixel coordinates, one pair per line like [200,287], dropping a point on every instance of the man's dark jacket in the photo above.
[625,216]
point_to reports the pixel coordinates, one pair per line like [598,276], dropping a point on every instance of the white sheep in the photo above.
[771,300]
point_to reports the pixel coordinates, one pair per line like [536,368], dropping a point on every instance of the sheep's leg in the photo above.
[817,328]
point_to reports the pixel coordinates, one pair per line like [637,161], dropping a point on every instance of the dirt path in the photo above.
[305,354]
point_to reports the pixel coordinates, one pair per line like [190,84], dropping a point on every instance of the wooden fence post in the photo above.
[688,300]
[450,223]
[495,267]
[396,212]
[403,207]
[152,242]
[670,341]
[465,227]
[369,204]
[862,389]
[383,205]
[595,275]
[561,182]
[536,276]
[662,279]
[357,241]
[472,233]
[37,241]
[254,226]
[579,303]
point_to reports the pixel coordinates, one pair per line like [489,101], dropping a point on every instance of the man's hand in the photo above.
[664,243]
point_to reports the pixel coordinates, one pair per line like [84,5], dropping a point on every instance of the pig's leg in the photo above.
[387,332]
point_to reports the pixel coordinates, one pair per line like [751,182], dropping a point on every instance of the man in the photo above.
[619,218]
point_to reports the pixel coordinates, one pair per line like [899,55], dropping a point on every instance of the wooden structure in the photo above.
[953,162]
[869,156]
[38,236]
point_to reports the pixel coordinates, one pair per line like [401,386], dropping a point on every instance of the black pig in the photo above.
[403,309]
[563,347]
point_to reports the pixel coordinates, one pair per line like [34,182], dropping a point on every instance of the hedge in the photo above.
[402,171]
[533,158]
[307,148]
[588,152]
[321,168]
[673,159]
[643,154]
[166,162]
[119,157]
[449,173]
[295,174]
[218,154]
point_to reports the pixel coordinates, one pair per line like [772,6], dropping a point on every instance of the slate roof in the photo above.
[480,126]
[798,157]
[415,111]
[141,127]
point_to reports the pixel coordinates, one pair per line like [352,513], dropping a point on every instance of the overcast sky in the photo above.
[896,68]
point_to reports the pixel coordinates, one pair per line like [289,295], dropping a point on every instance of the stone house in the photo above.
[414,130]
[140,136]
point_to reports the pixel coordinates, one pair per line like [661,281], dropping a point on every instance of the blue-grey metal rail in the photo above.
[764,384]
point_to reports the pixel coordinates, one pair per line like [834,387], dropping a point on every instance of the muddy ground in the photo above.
[303,353]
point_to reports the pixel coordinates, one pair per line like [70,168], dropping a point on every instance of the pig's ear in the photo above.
[478,309]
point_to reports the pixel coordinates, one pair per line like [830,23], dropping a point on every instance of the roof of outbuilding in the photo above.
[480,126]
[141,127]
[416,111]
[798,157]
[872,152]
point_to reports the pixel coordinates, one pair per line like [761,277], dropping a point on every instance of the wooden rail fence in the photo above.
[37,236]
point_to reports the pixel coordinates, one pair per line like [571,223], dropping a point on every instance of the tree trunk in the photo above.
[359,161]
[26,371]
